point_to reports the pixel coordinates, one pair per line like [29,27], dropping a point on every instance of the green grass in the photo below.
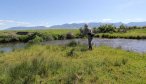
[60,34]
[69,65]
[130,34]
[54,34]
[49,31]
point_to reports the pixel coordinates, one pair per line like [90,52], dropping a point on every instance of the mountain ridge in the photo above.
[77,25]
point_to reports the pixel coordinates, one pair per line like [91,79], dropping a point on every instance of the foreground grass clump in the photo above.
[41,64]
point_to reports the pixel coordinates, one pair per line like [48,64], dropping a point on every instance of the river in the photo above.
[126,44]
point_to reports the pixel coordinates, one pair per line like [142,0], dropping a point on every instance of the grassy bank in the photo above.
[61,34]
[39,35]
[42,64]
[130,34]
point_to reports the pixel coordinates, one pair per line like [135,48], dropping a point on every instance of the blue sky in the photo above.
[51,12]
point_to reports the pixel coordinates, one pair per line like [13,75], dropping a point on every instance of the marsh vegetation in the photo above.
[72,63]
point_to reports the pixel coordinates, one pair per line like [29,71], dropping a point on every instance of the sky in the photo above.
[54,12]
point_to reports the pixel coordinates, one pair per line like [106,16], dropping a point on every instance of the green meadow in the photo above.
[72,64]
[130,34]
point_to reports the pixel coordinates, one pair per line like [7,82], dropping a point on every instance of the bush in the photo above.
[120,62]
[71,53]
[122,28]
[7,39]
[24,38]
[61,37]
[37,39]
[83,48]
[70,35]
[72,44]
[44,36]
[106,29]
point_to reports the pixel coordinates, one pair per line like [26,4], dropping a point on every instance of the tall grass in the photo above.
[41,64]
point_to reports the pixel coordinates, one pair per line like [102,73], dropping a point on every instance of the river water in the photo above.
[126,44]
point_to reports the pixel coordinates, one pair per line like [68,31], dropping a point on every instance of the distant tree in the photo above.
[95,30]
[134,27]
[122,28]
[106,28]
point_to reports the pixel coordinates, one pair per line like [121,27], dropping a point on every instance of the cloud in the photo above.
[6,21]
[106,20]
[2,22]
[23,23]
[11,23]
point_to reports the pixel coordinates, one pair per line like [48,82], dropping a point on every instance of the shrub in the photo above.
[70,35]
[37,39]
[55,37]
[84,48]
[24,38]
[117,63]
[49,38]
[106,28]
[44,36]
[71,53]
[120,62]
[124,61]
[122,28]
[97,35]
[72,44]
[7,39]
[61,37]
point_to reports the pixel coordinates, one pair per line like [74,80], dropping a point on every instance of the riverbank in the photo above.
[62,34]
[130,34]
[125,44]
[37,35]
[71,64]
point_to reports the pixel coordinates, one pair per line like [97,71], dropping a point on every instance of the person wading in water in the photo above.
[90,35]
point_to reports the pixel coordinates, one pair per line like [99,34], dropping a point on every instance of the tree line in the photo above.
[110,28]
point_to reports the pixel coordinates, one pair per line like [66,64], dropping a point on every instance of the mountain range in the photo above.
[77,25]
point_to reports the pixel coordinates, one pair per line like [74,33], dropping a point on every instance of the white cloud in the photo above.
[1,24]
[23,23]
[6,21]
[11,23]
[106,20]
